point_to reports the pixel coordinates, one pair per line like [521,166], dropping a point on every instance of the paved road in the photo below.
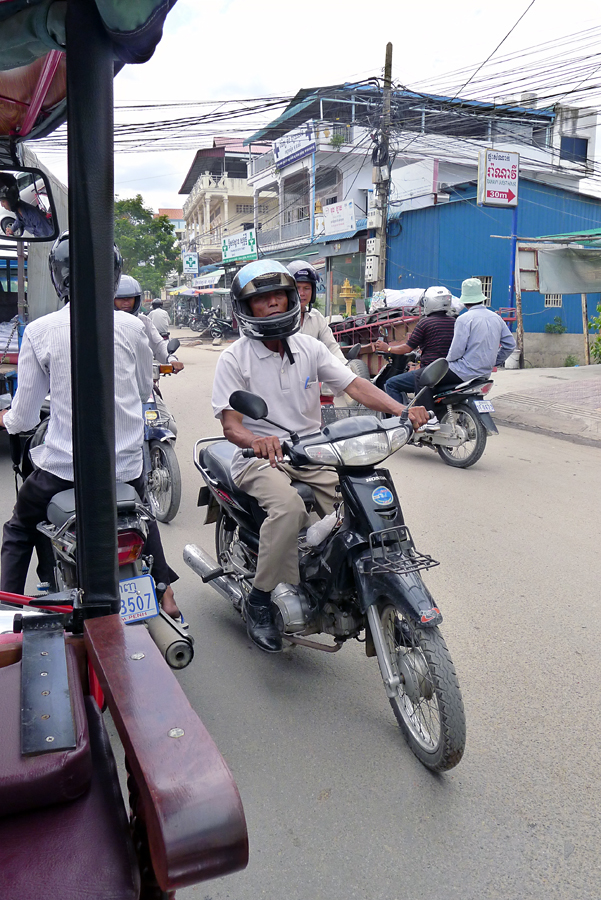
[337,805]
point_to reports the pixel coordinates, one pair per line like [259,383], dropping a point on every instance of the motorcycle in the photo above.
[360,575]
[463,411]
[161,468]
[138,596]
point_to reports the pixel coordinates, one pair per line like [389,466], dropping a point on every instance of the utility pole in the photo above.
[382,173]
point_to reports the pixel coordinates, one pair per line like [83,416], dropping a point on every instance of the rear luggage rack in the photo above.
[385,557]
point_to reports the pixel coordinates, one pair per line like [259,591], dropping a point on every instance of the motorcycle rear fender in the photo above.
[407,592]
[486,418]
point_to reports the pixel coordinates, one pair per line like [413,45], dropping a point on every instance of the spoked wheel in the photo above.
[472,449]
[164,482]
[428,704]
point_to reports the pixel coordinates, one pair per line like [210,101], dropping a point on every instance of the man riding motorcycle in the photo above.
[128,299]
[45,365]
[272,359]
[481,340]
[312,321]
[160,318]
[433,335]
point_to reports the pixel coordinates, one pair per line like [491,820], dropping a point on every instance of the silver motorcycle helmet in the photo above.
[436,299]
[262,277]
[129,287]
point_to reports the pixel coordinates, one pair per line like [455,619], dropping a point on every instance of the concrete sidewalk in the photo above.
[565,402]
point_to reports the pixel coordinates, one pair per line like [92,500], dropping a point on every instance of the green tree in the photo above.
[146,242]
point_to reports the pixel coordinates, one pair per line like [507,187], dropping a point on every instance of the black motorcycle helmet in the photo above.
[9,189]
[129,287]
[59,263]
[261,277]
[301,270]
[157,304]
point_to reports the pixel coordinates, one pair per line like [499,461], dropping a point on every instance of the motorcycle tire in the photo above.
[428,705]
[470,452]
[196,325]
[216,332]
[164,481]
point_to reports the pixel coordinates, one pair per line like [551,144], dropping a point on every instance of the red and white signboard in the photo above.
[498,174]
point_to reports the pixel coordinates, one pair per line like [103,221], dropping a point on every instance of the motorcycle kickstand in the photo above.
[391,681]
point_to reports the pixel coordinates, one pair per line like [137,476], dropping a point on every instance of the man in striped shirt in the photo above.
[45,366]
[433,335]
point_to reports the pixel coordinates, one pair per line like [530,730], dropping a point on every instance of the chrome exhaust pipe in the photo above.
[174,644]
[203,564]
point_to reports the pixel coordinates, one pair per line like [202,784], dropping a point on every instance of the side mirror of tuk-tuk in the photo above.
[172,345]
[27,210]
[353,352]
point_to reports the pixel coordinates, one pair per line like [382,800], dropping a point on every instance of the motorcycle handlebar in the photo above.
[248,453]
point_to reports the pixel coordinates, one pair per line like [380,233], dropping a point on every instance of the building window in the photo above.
[553,299]
[263,208]
[574,149]
[486,287]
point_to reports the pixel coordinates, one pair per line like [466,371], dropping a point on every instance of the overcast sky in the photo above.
[238,49]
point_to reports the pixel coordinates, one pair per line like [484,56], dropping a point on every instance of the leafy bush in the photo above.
[336,141]
[571,360]
[595,325]
[557,326]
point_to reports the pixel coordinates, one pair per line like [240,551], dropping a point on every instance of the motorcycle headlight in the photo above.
[364,450]
[398,437]
[324,454]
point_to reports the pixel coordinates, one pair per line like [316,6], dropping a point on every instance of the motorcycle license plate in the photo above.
[138,599]
[484,406]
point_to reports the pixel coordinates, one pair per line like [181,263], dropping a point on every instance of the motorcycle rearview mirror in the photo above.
[353,352]
[173,345]
[250,405]
[254,407]
[27,210]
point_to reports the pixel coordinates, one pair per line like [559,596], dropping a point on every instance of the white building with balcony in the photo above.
[220,201]
[321,153]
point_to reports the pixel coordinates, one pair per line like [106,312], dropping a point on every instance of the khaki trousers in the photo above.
[286,515]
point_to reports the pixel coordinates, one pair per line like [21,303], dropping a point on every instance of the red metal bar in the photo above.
[7,597]
[48,72]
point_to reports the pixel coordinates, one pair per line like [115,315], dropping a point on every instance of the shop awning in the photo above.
[209,280]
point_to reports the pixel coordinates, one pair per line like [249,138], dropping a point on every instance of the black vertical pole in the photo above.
[90,157]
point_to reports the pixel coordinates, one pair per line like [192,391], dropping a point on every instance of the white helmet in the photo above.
[436,299]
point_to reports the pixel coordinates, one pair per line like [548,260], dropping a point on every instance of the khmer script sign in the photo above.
[295,145]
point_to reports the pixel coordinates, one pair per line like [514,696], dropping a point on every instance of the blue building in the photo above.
[448,242]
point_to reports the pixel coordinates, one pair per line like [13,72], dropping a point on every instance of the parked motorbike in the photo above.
[463,411]
[163,477]
[361,576]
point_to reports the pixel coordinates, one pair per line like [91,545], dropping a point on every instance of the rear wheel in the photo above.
[473,447]
[164,482]
[428,704]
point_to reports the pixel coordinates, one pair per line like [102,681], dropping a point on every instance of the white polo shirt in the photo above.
[291,392]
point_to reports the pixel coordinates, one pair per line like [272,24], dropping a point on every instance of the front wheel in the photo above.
[472,448]
[428,704]
[164,481]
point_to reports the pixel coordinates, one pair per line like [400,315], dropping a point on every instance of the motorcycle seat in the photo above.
[218,459]
[472,382]
[62,505]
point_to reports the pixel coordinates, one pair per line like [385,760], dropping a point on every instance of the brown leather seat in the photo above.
[77,850]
